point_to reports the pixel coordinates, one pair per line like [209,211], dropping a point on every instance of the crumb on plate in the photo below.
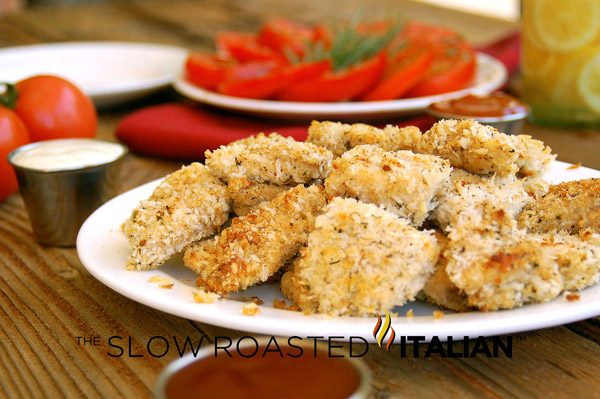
[250,309]
[572,296]
[201,296]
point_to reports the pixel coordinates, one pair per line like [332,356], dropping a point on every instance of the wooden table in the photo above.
[47,298]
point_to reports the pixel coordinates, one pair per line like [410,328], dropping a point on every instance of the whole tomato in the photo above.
[13,134]
[53,108]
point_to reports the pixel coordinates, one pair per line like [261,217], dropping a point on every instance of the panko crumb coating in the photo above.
[360,260]
[438,289]
[404,183]
[257,245]
[570,206]
[270,159]
[189,205]
[503,271]
[482,149]
[246,194]
[578,258]
[470,197]
[340,137]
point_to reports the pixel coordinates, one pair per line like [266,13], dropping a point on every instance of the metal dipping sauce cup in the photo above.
[60,195]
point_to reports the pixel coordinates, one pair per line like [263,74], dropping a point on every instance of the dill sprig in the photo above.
[349,46]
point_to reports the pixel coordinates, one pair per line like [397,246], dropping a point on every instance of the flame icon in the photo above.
[380,331]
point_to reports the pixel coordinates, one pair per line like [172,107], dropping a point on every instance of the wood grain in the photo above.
[47,298]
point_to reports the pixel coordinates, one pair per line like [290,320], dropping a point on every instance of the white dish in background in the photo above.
[109,72]
[491,75]
[103,250]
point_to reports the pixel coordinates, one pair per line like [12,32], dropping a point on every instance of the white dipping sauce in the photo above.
[67,154]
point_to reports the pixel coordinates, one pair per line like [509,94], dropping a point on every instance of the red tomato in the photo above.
[451,70]
[252,80]
[206,70]
[283,35]
[338,86]
[13,134]
[307,71]
[244,47]
[454,63]
[403,72]
[264,79]
[53,108]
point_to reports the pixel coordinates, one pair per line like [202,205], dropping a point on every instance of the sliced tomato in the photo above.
[338,86]
[307,71]
[206,70]
[282,36]
[451,70]
[244,47]
[404,71]
[265,79]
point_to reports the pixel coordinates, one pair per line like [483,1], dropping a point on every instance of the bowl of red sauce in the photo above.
[500,110]
[265,369]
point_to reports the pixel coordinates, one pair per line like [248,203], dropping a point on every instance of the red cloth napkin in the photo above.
[181,131]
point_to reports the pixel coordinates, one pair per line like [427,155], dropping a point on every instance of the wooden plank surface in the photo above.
[47,298]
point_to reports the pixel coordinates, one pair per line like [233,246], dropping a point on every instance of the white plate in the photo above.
[103,250]
[490,75]
[109,72]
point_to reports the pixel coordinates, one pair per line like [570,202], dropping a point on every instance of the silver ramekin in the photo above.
[58,202]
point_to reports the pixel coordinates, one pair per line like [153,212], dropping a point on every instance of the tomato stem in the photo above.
[8,97]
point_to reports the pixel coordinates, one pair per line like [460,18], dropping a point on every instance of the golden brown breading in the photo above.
[502,271]
[360,260]
[340,137]
[534,158]
[569,206]
[403,182]
[246,194]
[187,206]
[270,159]
[257,245]
[482,149]
[438,289]
[578,259]
[471,196]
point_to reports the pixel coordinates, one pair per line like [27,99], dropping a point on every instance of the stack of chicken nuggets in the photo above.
[358,219]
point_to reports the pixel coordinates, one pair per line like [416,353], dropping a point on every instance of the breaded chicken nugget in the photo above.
[246,194]
[403,182]
[570,206]
[187,206]
[470,197]
[534,157]
[578,259]
[482,149]
[438,289]
[502,271]
[360,260]
[270,159]
[340,137]
[257,245]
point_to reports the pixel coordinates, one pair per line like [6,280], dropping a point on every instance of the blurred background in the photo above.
[503,9]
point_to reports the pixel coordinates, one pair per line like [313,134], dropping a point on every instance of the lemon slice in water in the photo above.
[566,25]
[588,83]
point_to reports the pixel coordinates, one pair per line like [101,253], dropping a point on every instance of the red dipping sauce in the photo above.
[493,105]
[266,375]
